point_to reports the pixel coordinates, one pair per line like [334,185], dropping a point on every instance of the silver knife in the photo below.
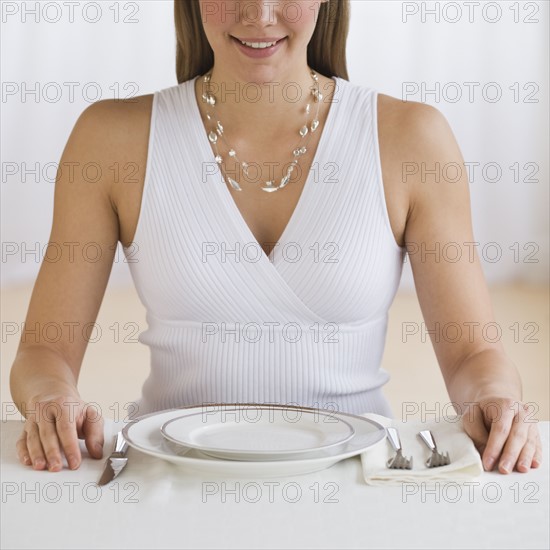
[116,461]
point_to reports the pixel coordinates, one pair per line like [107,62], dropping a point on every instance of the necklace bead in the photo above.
[298,151]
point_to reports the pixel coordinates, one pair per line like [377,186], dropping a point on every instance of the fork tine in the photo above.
[433,461]
[399,462]
[393,463]
[437,459]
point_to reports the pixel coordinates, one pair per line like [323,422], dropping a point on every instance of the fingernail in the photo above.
[52,465]
[489,463]
[39,463]
[26,459]
[98,448]
[523,465]
[73,463]
[506,466]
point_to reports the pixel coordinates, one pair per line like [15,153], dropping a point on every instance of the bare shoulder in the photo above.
[115,134]
[411,126]
[112,130]
[413,137]
[115,128]
[116,114]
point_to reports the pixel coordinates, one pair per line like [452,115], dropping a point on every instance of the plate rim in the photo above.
[219,464]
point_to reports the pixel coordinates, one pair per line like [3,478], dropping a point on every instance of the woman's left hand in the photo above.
[504,431]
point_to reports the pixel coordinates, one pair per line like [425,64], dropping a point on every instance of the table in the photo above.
[155,504]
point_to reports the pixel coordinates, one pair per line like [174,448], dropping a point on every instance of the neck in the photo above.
[266,103]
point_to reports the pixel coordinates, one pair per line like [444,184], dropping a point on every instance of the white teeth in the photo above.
[259,45]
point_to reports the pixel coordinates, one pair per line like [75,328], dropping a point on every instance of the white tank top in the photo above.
[305,325]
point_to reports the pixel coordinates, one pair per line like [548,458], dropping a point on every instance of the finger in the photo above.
[22,451]
[515,442]
[48,436]
[474,426]
[537,459]
[501,418]
[93,431]
[34,445]
[527,453]
[67,434]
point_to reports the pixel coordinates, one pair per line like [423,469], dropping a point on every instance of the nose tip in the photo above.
[265,13]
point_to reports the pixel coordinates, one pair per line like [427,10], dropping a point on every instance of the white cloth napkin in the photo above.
[449,437]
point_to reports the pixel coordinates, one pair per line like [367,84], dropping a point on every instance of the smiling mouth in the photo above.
[258,41]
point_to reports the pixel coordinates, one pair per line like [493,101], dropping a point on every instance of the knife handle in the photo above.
[121,445]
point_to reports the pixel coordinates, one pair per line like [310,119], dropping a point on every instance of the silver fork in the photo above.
[398,462]
[436,458]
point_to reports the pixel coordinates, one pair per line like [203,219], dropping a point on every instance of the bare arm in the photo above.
[69,290]
[452,291]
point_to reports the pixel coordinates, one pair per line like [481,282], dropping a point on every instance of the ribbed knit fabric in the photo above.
[226,323]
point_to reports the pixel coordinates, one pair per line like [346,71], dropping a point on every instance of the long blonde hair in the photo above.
[326,51]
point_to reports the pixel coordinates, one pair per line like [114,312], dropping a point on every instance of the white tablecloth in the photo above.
[154,504]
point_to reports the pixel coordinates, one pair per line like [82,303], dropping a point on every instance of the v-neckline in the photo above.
[301,204]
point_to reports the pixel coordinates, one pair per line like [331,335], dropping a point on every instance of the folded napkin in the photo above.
[449,437]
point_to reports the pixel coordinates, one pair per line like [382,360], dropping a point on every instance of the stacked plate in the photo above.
[253,439]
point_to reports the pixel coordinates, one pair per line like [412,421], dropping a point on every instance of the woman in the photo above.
[333,196]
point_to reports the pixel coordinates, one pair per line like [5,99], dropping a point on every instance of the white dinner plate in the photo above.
[143,434]
[261,432]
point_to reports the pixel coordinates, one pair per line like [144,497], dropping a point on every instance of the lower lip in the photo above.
[256,52]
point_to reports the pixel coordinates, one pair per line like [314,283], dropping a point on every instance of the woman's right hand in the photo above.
[53,426]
